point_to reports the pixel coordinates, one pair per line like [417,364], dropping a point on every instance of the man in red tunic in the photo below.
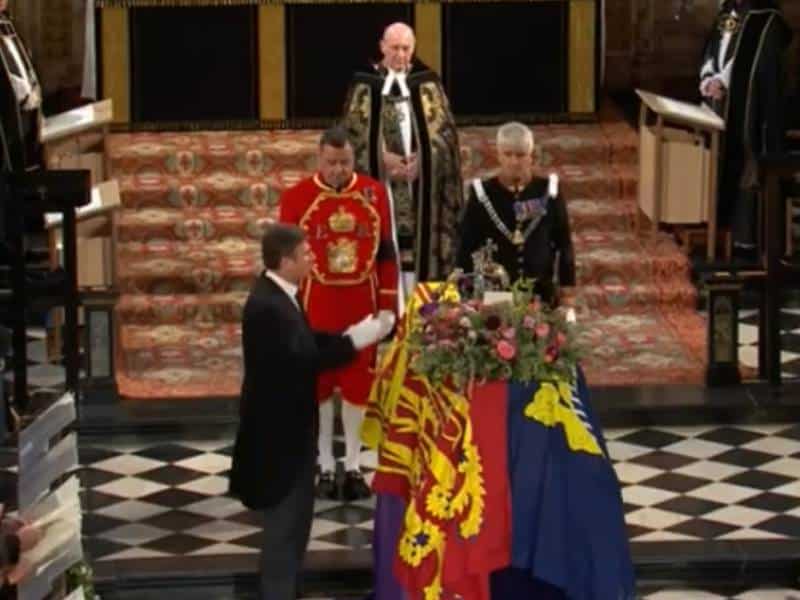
[349,227]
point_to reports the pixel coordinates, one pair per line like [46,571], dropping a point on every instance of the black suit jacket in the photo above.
[277,435]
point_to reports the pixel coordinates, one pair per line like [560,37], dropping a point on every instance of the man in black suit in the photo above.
[275,453]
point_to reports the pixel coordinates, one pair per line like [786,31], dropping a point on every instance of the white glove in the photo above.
[387,319]
[365,333]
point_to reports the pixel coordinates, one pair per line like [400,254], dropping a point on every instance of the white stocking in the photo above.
[352,417]
[325,441]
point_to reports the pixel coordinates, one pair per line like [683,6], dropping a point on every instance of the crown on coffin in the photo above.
[342,221]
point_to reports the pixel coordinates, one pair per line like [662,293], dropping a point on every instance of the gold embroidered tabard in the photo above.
[343,230]
[342,256]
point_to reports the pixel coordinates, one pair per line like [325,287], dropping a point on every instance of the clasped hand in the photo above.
[715,89]
[401,168]
[371,329]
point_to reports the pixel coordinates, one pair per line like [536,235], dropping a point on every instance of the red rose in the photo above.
[550,354]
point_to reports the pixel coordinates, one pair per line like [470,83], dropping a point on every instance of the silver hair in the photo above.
[515,135]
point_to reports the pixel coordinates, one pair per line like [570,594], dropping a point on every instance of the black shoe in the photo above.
[354,487]
[326,487]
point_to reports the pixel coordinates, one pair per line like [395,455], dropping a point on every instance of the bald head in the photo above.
[397,46]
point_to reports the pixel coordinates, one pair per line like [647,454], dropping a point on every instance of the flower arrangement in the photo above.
[465,341]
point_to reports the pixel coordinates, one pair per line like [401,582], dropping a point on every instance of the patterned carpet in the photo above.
[193,205]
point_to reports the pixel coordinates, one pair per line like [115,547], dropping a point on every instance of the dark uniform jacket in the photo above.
[543,223]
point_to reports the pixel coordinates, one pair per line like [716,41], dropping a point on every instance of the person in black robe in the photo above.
[403,133]
[20,118]
[524,216]
[743,78]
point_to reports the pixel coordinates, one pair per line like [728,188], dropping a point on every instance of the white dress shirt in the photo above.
[403,106]
[286,286]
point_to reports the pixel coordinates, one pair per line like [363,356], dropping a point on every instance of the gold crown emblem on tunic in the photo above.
[342,256]
[342,221]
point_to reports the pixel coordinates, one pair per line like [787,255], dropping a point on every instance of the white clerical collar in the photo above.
[391,78]
[286,286]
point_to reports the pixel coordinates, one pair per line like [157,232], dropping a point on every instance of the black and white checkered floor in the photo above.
[698,594]
[150,498]
[675,593]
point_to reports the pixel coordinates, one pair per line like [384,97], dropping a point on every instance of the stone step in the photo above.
[204,267]
[177,309]
[618,345]
[168,361]
[604,256]
[157,190]
[223,222]
[262,152]
[171,267]
[211,224]
[226,307]
[616,293]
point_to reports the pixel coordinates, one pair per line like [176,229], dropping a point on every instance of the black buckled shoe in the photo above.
[326,486]
[354,487]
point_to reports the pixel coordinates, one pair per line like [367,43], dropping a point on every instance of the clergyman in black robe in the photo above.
[742,77]
[404,134]
[20,115]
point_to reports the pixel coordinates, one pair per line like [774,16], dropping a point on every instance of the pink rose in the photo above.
[542,330]
[509,333]
[505,350]
[528,322]
[561,339]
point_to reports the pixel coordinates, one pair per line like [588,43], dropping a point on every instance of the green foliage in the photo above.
[81,576]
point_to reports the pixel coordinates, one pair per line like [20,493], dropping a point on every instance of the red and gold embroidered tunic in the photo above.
[355,266]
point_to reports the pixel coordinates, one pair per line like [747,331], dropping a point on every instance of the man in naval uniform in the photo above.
[347,220]
[742,77]
[524,217]
[403,133]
